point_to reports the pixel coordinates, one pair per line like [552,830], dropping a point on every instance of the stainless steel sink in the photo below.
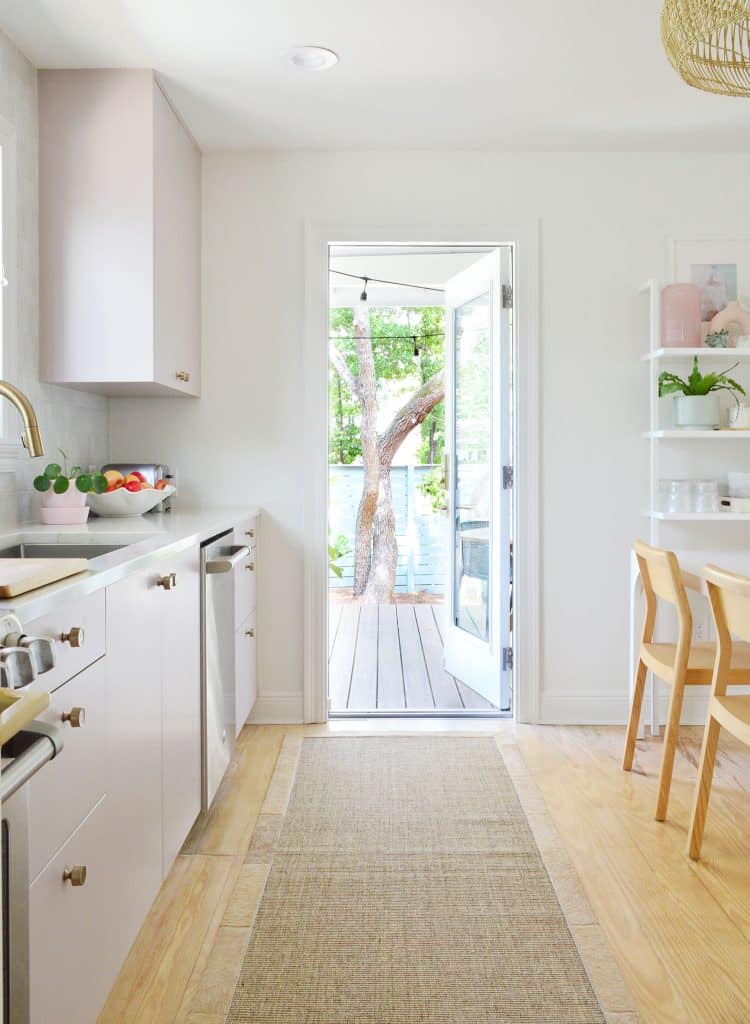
[58,550]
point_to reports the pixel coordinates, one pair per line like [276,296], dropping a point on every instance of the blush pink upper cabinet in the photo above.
[119,236]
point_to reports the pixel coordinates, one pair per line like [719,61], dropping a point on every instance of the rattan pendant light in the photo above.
[708,43]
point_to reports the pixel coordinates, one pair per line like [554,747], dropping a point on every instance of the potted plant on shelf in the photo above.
[64,493]
[697,405]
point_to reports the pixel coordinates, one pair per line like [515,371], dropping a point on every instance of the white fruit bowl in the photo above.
[128,503]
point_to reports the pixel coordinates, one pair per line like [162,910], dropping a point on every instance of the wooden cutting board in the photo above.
[17,575]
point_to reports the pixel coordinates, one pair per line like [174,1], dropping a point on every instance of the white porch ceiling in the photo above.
[488,74]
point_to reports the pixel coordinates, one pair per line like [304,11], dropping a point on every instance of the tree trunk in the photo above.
[370,462]
[382,578]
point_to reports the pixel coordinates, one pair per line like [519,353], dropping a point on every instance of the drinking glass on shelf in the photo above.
[675,495]
[706,496]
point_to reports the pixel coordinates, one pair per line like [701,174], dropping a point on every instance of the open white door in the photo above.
[477,421]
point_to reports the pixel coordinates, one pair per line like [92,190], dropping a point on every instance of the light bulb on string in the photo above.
[363,296]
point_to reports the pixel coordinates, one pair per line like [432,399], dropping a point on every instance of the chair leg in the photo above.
[670,746]
[703,788]
[635,715]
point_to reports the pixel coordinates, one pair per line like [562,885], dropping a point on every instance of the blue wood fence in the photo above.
[421,533]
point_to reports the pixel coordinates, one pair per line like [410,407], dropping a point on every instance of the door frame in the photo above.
[523,235]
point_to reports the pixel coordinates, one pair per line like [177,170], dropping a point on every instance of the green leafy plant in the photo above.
[337,548]
[59,478]
[698,383]
[433,486]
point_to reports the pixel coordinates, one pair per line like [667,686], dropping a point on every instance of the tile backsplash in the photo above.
[73,420]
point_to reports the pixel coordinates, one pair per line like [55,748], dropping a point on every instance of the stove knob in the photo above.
[19,666]
[42,649]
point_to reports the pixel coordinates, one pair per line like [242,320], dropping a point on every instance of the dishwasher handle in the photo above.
[228,562]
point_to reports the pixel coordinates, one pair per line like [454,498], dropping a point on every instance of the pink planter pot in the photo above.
[68,509]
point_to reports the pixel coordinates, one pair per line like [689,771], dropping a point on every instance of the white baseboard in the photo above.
[278,709]
[613,709]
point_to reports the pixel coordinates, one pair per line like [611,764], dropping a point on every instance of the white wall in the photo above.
[75,421]
[605,220]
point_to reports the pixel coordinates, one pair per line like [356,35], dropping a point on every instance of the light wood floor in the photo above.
[680,931]
[389,657]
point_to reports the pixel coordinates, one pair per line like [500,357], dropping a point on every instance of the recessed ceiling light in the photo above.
[312,58]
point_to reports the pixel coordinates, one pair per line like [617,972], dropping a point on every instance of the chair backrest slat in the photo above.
[660,573]
[730,601]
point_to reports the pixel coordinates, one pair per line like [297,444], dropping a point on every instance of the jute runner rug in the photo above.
[406,886]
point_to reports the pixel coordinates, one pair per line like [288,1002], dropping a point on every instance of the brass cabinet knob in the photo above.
[249,632]
[75,875]
[250,566]
[76,717]
[183,375]
[249,533]
[168,582]
[74,636]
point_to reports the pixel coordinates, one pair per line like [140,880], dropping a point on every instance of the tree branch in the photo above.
[340,366]
[409,416]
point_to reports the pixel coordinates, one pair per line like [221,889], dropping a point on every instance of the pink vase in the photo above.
[681,316]
[68,509]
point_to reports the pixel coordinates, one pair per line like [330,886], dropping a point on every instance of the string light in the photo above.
[382,280]
[386,337]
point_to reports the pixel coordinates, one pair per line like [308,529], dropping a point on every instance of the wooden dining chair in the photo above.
[730,605]
[679,664]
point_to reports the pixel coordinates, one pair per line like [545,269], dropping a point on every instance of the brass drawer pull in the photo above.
[75,875]
[74,636]
[168,582]
[76,717]
[250,566]
[249,533]
[183,375]
[249,632]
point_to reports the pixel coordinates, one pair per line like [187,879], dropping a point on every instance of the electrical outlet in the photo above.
[701,632]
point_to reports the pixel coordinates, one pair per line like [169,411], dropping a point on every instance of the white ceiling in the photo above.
[507,74]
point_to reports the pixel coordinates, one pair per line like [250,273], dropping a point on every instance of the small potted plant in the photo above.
[64,493]
[697,405]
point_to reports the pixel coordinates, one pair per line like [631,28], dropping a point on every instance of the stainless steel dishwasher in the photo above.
[220,558]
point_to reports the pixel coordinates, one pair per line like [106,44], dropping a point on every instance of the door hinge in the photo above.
[507,659]
[507,296]
[507,477]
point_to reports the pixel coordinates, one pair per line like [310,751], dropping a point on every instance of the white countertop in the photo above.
[147,538]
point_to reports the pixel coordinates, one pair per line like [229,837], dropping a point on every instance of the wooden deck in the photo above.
[389,657]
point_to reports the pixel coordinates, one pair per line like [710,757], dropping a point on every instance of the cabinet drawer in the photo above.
[74,946]
[245,578]
[62,795]
[86,615]
[245,671]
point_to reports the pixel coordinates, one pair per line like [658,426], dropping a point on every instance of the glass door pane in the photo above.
[472,474]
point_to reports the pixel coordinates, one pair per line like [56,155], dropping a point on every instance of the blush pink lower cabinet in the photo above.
[73,956]
[245,671]
[62,795]
[135,748]
[181,701]
[124,794]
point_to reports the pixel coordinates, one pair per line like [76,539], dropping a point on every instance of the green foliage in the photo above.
[59,481]
[433,485]
[698,383]
[393,354]
[337,548]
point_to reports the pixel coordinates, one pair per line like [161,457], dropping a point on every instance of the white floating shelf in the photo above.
[697,435]
[730,354]
[700,517]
